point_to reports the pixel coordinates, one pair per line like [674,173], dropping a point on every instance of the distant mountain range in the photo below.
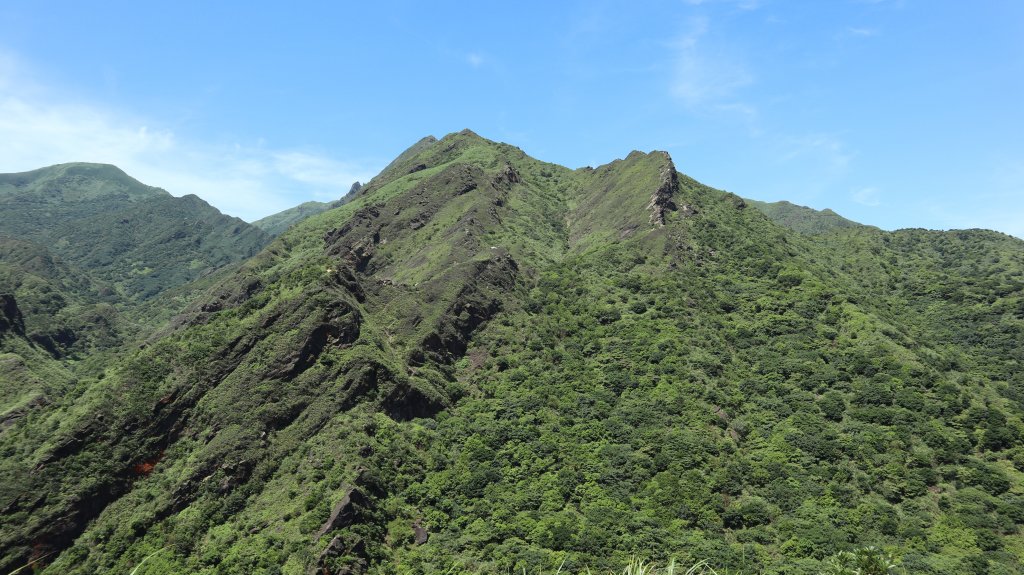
[483,362]
[278,223]
[801,218]
[81,241]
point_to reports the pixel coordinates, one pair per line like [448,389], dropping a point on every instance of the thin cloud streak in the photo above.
[869,196]
[706,78]
[823,149]
[862,32]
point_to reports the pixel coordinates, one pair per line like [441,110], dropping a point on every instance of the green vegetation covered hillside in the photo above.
[82,245]
[487,363]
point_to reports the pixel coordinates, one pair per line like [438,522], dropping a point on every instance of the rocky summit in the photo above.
[482,362]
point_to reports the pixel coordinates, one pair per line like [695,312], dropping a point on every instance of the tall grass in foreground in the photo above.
[864,561]
[637,566]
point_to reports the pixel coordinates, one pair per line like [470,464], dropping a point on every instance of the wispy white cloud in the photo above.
[1008,177]
[318,171]
[746,110]
[475,59]
[41,126]
[868,196]
[861,32]
[1005,199]
[1006,222]
[704,76]
[993,214]
[824,150]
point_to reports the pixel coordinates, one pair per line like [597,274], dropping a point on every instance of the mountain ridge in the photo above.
[534,365]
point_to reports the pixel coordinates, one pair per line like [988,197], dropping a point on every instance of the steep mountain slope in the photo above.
[801,218]
[78,241]
[487,362]
[29,377]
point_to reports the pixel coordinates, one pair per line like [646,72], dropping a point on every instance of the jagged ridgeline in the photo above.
[486,363]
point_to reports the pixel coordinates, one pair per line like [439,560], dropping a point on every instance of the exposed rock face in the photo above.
[10,316]
[226,296]
[508,176]
[333,549]
[407,401]
[346,553]
[59,339]
[661,200]
[338,547]
[345,512]
[475,303]
[8,419]
[333,324]
[420,534]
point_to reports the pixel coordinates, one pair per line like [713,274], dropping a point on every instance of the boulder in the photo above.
[345,512]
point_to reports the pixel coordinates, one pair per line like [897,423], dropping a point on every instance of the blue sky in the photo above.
[897,113]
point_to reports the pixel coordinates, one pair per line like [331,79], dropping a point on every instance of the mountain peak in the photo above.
[88,169]
[464,137]
[76,181]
